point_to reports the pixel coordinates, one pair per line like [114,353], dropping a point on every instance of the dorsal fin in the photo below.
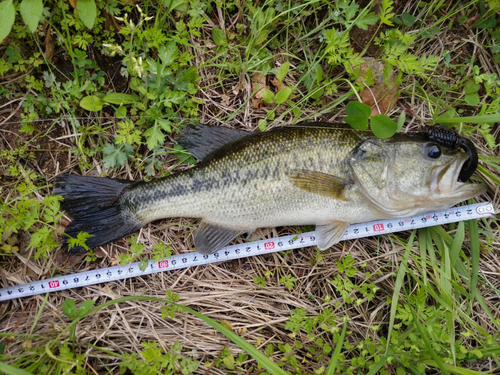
[201,140]
[320,124]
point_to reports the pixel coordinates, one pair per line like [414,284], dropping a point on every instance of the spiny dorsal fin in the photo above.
[201,140]
[320,183]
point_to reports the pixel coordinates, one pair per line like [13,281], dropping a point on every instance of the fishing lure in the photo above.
[453,140]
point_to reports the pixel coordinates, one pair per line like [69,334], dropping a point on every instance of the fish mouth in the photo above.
[447,181]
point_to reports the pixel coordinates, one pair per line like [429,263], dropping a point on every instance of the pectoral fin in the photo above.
[330,234]
[212,237]
[320,183]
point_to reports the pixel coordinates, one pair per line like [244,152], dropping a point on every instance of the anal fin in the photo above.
[210,237]
[330,234]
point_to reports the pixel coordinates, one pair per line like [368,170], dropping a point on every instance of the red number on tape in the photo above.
[54,284]
[163,264]
[378,227]
[269,245]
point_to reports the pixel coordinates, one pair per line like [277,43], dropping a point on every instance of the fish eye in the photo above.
[433,151]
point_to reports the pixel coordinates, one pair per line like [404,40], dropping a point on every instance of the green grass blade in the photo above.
[11,370]
[374,370]
[456,246]
[397,287]
[453,369]
[422,236]
[447,295]
[474,249]
[470,119]
[336,353]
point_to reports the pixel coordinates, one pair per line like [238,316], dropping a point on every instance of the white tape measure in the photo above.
[452,215]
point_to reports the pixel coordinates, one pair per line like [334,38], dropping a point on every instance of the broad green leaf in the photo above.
[262,37]
[84,308]
[173,97]
[154,136]
[168,53]
[120,99]
[408,19]
[188,75]
[267,96]
[282,95]
[121,112]
[317,93]
[472,99]
[87,12]
[357,115]
[471,87]
[488,23]
[383,127]
[116,156]
[69,308]
[358,109]
[219,37]
[283,71]
[31,11]
[319,75]
[7,17]
[92,103]
[262,124]
[368,20]
[229,362]
[171,5]
[165,124]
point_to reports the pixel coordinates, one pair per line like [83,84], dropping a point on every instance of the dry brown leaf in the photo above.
[65,260]
[225,99]
[31,272]
[73,3]
[110,22]
[279,85]
[49,45]
[383,94]
[258,85]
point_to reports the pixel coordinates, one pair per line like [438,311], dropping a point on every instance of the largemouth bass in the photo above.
[297,175]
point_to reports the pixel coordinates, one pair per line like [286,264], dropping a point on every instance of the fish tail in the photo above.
[95,206]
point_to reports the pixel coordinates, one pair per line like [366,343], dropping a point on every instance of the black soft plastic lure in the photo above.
[451,139]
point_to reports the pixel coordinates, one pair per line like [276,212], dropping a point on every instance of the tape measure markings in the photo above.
[244,250]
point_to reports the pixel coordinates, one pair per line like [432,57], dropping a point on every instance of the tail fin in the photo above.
[94,205]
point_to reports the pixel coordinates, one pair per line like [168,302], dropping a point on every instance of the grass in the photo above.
[107,93]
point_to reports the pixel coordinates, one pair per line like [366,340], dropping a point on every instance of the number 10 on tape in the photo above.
[474,211]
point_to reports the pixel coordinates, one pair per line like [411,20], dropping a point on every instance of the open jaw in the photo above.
[446,182]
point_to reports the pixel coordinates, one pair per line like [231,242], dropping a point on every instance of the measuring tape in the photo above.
[77,280]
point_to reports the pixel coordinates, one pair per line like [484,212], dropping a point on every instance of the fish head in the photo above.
[407,175]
